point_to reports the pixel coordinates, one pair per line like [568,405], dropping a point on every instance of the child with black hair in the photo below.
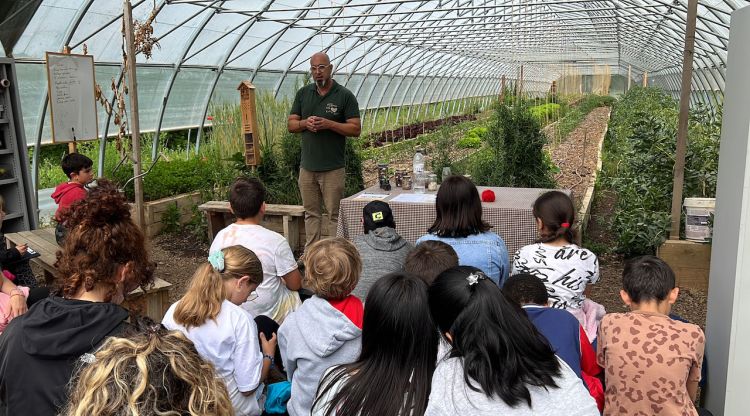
[498,362]
[560,328]
[397,311]
[652,363]
[78,170]
[565,268]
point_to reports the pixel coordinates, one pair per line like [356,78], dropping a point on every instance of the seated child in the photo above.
[429,259]
[276,295]
[153,371]
[565,268]
[498,364]
[77,168]
[382,250]
[327,329]
[560,328]
[223,333]
[652,363]
[11,258]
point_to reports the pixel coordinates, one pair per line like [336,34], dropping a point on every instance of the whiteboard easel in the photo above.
[70,79]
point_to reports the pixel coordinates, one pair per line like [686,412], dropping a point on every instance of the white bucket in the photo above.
[698,211]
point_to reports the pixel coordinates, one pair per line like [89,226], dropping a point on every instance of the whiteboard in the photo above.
[70,79]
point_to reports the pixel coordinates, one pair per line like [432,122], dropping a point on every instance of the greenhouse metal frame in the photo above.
[389,53]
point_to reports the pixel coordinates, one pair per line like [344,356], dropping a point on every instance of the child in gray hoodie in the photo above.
[327,329]
[382,250]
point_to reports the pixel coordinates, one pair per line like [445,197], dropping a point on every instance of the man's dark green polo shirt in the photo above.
[324,150]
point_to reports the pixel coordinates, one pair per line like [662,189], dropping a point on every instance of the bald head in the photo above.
[321,69]
[320,58]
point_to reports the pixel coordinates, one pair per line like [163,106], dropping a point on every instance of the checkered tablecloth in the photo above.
[510,215]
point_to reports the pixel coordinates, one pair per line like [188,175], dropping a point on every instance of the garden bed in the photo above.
[412,130]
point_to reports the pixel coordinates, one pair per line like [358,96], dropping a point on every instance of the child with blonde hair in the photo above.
[223,333]
[327,329]
[153,371]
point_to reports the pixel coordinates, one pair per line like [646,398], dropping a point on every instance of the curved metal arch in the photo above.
[307,41]
[173,77]
[414,24]
[278,37]
[70,31]
[220,71]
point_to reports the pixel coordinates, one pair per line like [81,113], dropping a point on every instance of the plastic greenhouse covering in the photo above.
[389,53]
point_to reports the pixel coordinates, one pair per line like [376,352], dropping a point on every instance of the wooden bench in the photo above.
[153,303]
[292,218]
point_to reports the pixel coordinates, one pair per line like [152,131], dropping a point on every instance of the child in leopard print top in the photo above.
[652,364]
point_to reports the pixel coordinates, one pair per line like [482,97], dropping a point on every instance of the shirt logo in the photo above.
[332,108]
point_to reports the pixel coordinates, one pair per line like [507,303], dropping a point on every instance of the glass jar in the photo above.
[432,182]
[383,178]
[399,177]
[406,182]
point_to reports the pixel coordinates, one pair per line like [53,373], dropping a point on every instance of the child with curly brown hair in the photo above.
[104,258]
[327,329]
[154,371]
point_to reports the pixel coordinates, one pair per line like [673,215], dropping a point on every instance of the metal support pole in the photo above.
[682,127]
[630,75]
[133,117]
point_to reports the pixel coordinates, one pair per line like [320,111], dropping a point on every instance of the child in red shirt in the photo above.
[78,169]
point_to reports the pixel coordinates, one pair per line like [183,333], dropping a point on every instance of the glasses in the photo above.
[319,68]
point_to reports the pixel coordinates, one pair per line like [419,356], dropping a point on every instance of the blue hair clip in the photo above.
[474,278]
[217,260]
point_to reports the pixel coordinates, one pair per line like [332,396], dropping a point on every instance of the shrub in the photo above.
[515,151]
[639,163]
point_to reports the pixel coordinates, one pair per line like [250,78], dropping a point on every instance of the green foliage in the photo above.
[170,219]
[639,162]
[177,176]
[546,113]
[473,138]
[576,114]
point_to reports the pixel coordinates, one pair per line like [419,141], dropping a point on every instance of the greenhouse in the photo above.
[599,131]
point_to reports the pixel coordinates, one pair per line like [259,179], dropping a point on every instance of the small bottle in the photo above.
[418,178]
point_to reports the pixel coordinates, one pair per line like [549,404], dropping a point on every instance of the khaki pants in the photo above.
[318,188]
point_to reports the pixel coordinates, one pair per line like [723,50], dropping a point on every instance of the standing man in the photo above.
[325,113]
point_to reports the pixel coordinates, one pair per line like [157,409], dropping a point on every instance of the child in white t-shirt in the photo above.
[565,268]
[277,295]
[223,333]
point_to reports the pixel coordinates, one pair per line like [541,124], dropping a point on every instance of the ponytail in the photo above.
[203,298]
[206,292]
[557,213]
[502,352]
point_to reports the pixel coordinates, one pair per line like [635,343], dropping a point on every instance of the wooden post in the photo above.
[645,79]
[249,123]
[135,128]
[630,76]
[682,126]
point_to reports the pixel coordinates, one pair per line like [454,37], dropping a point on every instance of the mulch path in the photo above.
[576,156]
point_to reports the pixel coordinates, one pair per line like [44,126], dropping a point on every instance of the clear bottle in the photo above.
[418,171]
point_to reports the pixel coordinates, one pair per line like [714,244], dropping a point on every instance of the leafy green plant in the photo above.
[639,162]
[170,219]
[515,154]
[441,155]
